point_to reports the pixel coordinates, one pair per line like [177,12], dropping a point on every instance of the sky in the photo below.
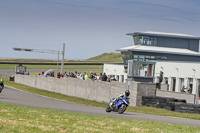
[88,27]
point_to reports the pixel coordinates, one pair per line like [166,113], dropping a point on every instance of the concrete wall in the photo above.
[88,89]
[144,89]
[190,98]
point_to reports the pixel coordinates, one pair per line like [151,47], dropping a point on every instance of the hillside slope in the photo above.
[107,57]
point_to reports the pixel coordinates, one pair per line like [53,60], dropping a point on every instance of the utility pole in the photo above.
[63,55]
[48,52]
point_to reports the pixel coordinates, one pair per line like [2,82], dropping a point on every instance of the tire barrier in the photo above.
[171,104]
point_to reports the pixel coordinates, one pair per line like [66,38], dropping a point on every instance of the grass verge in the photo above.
[15,118]
[141,109]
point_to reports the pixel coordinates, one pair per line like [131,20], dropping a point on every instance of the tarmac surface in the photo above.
[15,96]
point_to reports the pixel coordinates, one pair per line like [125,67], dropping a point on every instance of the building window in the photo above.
[148,57]
[140,68]
[146,40]
[136,68]
[136,39]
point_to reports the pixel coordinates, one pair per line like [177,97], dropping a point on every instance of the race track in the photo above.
[15,96]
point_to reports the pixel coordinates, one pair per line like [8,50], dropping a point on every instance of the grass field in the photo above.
[12,66]
[107,57]
[103,58]
[141,109]
[15,118]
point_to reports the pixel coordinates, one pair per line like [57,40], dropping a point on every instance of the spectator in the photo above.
[72,75]
[53,74]
[189,90]
[183,89]
[109,78]
[69,75]
[91,75]
[86,76]
[65,74]
[76,74]
[81,76]
[100,76]
[50,74]
[97,77]
[104,77]
[58,75]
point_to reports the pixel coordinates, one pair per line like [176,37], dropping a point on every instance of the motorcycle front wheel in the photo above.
[108,108]
[122,108]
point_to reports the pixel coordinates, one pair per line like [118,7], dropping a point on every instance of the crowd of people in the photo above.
[186,90]
[83,76]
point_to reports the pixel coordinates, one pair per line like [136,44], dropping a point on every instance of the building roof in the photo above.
[155,49]
[164,34]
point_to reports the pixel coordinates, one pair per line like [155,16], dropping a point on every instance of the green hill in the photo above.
[107,57]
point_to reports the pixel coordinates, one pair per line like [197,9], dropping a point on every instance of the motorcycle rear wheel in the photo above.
[122,108]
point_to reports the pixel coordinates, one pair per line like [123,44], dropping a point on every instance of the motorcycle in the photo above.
[1,88]
[120,106]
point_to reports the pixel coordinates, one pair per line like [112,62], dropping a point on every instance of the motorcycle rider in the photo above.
[1,84]
[120,97]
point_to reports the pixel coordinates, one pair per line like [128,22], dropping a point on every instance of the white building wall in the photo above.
[179,70]
[117,70]
[173,71]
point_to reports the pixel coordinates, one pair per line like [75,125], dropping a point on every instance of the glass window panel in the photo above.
[136,39]
[143,69]
[141,40]
[130,69]
[153,57]
[150,70]
[158,57]
[136,68]
[164,58]
[146,40]
[141,57]
[135,56]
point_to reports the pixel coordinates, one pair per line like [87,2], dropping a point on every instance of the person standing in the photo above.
[58,75]
[104,77]
[86,76]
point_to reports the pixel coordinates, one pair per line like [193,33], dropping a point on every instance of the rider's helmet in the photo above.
[127,93]
[1,81]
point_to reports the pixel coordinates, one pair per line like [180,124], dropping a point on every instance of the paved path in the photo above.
[14,96]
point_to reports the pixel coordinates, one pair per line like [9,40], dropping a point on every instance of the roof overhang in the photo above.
[164,34]
[157,51]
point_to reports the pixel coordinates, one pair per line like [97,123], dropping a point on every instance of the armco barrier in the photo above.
[89,89]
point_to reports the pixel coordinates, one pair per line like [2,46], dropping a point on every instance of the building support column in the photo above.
[116,77]
[177,88]
[120,78]
[194,87]
[170,83]
[186,82]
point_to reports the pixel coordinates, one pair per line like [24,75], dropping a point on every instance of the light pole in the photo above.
[46,51]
